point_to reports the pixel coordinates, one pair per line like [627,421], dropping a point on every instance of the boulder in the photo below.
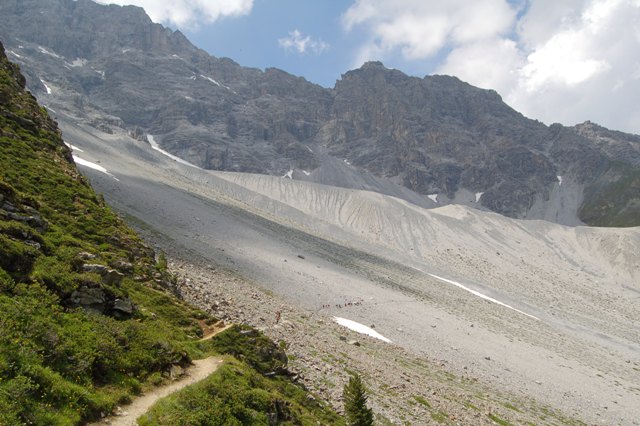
[95,268]
[123,307]
[89,298]
[112,277]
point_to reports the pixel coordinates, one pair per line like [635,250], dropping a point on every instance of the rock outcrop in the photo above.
[432,141]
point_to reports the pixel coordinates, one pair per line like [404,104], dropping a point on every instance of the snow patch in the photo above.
[155,146]
[482,296]
[73,147]
[310,150]
[306,172]
[479,195]
[81,162]
[193,77]
[78,62]
[211,80]
[48,89]
[433,197]
[360,328]
[50,109]
[11,52]
[216,83]
[50,53]
[559,180]
[289,174]
[346,162]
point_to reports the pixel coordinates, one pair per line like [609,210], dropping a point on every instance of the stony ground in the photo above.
[571,343]
[405,389]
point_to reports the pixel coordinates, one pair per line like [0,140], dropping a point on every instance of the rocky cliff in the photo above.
[431,141]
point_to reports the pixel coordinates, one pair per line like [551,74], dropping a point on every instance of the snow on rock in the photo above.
[156,147]
[482,296]
[48,52]
[82,162]
[306,173]
[479,195]
[210,79]
[78,62]
[360,328]
[559,180]
[14,54]
[433,197]
[346,162]
[216,83]
[48,89]
[289,174]
[310,150]
[73,147]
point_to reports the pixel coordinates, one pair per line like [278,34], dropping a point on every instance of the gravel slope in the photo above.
[312,246]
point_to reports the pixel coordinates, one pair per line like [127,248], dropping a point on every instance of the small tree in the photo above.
[355,403]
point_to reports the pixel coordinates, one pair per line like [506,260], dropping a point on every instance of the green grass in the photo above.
[60,364]
[440,417]
[422,401]
[498,420]
[237,394]
[511,407]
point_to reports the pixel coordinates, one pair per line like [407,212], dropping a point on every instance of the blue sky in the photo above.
[252,40]
[557,61]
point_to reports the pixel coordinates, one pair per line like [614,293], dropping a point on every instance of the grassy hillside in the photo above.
[86,316]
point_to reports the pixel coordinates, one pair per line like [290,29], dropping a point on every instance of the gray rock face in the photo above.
[92,299]
[378,129]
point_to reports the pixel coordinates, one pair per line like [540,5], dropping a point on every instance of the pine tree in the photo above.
[355,403]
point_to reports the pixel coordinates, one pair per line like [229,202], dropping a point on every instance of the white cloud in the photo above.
[565,61]
[189,13]
[419,28]
[298,42]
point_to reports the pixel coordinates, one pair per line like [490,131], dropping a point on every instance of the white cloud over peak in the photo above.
[421,28]
[296,41]
[563,61]
[189,13]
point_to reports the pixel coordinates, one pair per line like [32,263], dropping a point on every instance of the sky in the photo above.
[563,61]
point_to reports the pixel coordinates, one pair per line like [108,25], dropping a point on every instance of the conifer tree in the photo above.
[355,403]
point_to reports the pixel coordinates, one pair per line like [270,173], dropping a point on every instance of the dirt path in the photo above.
[127,417]
[210,331]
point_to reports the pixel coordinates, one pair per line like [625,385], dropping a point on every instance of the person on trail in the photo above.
[277,317]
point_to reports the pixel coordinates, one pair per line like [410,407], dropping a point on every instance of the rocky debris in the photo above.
[92,297]
[320,355]
[95,268]
[123,266]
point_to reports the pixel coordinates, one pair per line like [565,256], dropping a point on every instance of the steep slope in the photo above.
[431,141]
[87,315]
[536,308]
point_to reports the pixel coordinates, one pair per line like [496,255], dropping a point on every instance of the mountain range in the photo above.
[431,141]
[391,203]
